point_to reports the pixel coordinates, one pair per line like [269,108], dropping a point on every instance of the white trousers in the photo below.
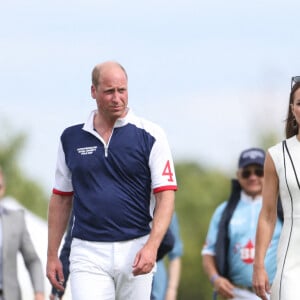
[240,294]
[103,271]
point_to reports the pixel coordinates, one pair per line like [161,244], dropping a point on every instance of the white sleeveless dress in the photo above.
[286,283]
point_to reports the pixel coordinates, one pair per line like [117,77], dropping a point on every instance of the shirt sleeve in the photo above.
[62,181]
[162,165]
[210,242]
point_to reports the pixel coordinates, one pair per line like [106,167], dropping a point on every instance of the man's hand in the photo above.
[144,260]
[223,287]
[55,273]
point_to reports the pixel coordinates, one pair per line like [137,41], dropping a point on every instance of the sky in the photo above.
[214,74]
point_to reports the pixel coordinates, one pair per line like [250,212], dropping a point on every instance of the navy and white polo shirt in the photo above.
[113,183]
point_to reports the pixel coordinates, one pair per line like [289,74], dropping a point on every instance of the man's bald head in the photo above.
[101,68]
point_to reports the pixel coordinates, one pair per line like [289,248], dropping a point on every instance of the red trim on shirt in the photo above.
[165,188]
[57,192]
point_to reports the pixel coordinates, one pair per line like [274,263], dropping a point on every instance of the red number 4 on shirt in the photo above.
[168,172]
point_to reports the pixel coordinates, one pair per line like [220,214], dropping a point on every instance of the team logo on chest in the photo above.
[87,150]
[247,253]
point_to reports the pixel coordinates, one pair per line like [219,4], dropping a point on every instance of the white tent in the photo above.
[38,230]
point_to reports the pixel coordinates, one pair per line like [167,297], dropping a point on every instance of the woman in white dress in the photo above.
[282,177]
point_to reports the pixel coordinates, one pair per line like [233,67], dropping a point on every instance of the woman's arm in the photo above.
[265,227]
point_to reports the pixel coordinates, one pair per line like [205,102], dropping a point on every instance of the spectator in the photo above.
[14,239]
[230,244]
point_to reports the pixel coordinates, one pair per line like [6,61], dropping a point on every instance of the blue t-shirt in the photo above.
[113,182]
[242,231]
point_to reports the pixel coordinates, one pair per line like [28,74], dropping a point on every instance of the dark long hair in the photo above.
[290,128]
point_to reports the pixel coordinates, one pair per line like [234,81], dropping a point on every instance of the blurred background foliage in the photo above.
[201,189]
[18,185]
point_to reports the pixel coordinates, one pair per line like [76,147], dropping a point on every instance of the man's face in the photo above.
[251,179]
[111,93]
[2,186]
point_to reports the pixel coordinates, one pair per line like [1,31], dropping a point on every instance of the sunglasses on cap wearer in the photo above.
[294,80]
[259,172]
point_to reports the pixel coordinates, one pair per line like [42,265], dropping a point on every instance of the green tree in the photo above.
[200,190]
[28,192]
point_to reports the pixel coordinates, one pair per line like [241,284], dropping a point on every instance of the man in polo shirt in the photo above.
[111,169]
[228,253]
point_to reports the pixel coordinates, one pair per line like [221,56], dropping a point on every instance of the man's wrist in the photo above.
[213,278]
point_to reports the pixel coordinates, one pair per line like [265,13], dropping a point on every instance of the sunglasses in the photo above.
[294,80]
[247,173]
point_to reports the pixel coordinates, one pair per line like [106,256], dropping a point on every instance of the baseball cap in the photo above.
[252,156]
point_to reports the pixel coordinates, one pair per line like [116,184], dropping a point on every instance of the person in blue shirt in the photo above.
[228,253]
[109,170]
[166,280]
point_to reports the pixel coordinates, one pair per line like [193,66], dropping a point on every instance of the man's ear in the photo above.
[93,91]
